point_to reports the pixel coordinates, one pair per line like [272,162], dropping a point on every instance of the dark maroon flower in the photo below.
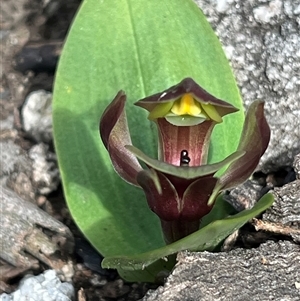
[180,186]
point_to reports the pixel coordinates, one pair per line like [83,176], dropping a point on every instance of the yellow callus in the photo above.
[185,106]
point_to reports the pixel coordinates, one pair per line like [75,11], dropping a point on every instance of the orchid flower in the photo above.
[180,186]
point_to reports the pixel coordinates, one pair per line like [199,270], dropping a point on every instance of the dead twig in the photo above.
[274,227]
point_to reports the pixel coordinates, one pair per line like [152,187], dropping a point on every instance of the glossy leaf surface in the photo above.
[142,47]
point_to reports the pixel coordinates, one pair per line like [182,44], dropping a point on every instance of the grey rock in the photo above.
[44,287]
[285,210]
[262,41]
[266,12]
[28,233]
[37,115]
[5,297]
[286,206]
[270,272]
[16,169]
[13,155]
[244,196]
[45,174]
[7,124]
[297,166]
[28,173]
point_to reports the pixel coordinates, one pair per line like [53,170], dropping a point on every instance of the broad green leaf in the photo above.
[207,238]
[141,47]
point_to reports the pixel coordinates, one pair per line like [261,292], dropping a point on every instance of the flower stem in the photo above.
[177,229]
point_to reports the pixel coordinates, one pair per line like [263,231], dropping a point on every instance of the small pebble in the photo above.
[44,287]
[37,115]
[5,297]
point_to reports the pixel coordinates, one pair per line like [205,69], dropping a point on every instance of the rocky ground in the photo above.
[261,39]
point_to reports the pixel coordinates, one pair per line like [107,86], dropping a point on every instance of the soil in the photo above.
[32,34]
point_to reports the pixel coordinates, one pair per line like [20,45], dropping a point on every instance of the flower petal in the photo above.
[184,172]
[211,111]
[160,110]
[162,200]
[174,139]
[194,202]
[254,141]
[187,85]
[115,135]
[185,120]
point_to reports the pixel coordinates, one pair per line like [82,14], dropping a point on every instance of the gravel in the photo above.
[44,287]
[37,115]
[45,174]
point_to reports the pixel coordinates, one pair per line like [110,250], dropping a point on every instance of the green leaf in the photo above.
[206,238]
[141,47]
